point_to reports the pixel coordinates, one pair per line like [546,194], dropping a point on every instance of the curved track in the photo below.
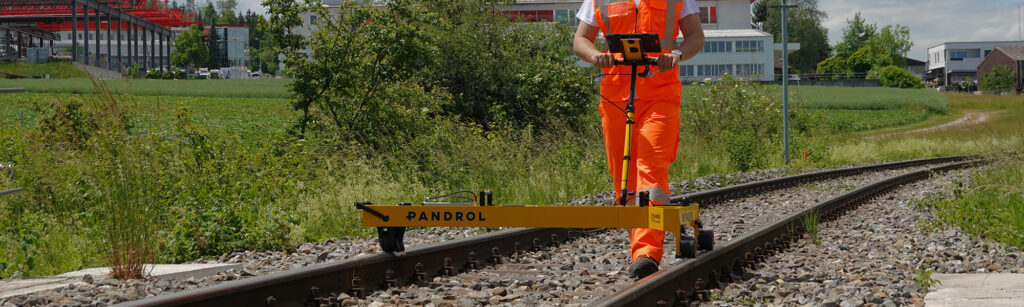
[316,285]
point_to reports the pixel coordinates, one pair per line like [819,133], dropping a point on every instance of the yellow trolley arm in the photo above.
[667,218]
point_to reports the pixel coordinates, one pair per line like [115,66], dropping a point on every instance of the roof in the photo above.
[735,33]
[977,42]
[1014,52]
[913,62]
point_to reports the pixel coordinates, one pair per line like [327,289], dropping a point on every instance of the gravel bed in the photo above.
[605,252]
[869,256]
[583,271]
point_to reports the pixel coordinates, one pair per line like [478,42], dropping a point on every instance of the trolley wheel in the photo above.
[687,247]
[706,240]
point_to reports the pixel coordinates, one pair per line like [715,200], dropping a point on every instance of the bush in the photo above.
[745,117]
[999,79]
[895,76]
[423,61]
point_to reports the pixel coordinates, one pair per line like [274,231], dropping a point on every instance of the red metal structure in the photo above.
[144,26]
[157,12]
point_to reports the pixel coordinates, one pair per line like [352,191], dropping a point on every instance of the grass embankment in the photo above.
[230,177]
[57,70]
[224,88]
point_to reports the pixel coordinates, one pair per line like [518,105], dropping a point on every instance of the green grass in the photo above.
[258,88]
[868,98]
[247,117]
[991,207]
[57,70]
[843,120]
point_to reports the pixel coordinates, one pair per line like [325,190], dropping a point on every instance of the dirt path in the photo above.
[969,119]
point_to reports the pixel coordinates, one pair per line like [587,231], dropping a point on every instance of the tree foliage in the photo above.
[999,79]
[856,35]
[804,28]
[380,76]
[189,49]
[866,50]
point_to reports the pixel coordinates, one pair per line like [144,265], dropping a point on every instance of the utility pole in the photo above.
[785,81]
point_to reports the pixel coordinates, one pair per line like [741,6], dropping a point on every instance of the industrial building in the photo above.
[952,62]
[110,34]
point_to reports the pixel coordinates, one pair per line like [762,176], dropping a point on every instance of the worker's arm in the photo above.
[583,44]
[693,42]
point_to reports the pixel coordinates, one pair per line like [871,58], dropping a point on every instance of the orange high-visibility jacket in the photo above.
[653,16]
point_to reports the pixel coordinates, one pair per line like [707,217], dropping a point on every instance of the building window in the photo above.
[686,71]
[749,46]
[312,20]
[714,70]
[957,55]
[749,69]
[718,46]
[708,14]
[986,53]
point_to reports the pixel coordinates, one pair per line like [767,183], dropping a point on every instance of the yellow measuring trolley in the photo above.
[391,220]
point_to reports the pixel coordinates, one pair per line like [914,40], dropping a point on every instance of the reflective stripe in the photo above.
[668,41]
[603,6]
[658,196]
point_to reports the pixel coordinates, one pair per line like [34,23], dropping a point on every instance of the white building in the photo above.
[952,62]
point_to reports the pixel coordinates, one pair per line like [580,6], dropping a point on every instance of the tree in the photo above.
[866,49]
[189,49]
[216,54]
[999,79]
[804,28]
[856,34]
[895,41]
[209,14]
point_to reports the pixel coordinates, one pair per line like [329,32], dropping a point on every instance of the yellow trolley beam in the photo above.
[671,219]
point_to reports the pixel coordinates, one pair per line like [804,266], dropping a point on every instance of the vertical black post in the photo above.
[170,37]
[120,62]
[109,53]
[74,30]
[85,27]
[152,50]
[96,19]
[161,47]
[145,54]
[134,37]
[131,55]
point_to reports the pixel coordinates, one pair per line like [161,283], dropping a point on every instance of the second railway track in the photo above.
[527,265]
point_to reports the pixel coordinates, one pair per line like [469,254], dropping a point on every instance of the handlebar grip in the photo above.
[645,61]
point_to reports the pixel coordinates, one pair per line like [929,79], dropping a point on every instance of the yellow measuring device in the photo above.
[392,219]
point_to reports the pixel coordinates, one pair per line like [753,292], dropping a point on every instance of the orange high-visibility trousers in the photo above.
[655,141]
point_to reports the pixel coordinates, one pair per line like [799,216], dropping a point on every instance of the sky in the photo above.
[931,22]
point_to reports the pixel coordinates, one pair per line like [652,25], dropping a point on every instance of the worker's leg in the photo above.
[656,141]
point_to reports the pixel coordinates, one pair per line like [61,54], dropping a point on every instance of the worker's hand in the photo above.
[603,60]
[667,61]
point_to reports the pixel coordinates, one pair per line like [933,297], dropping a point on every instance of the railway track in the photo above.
[507,261]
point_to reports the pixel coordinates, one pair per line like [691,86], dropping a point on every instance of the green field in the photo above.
[247,117]
[258,88]
[868,98]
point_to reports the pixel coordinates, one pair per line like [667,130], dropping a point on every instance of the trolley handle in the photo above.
[645,61]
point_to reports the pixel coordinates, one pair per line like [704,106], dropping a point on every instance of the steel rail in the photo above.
[681,284]
[361,275]
[713,196]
